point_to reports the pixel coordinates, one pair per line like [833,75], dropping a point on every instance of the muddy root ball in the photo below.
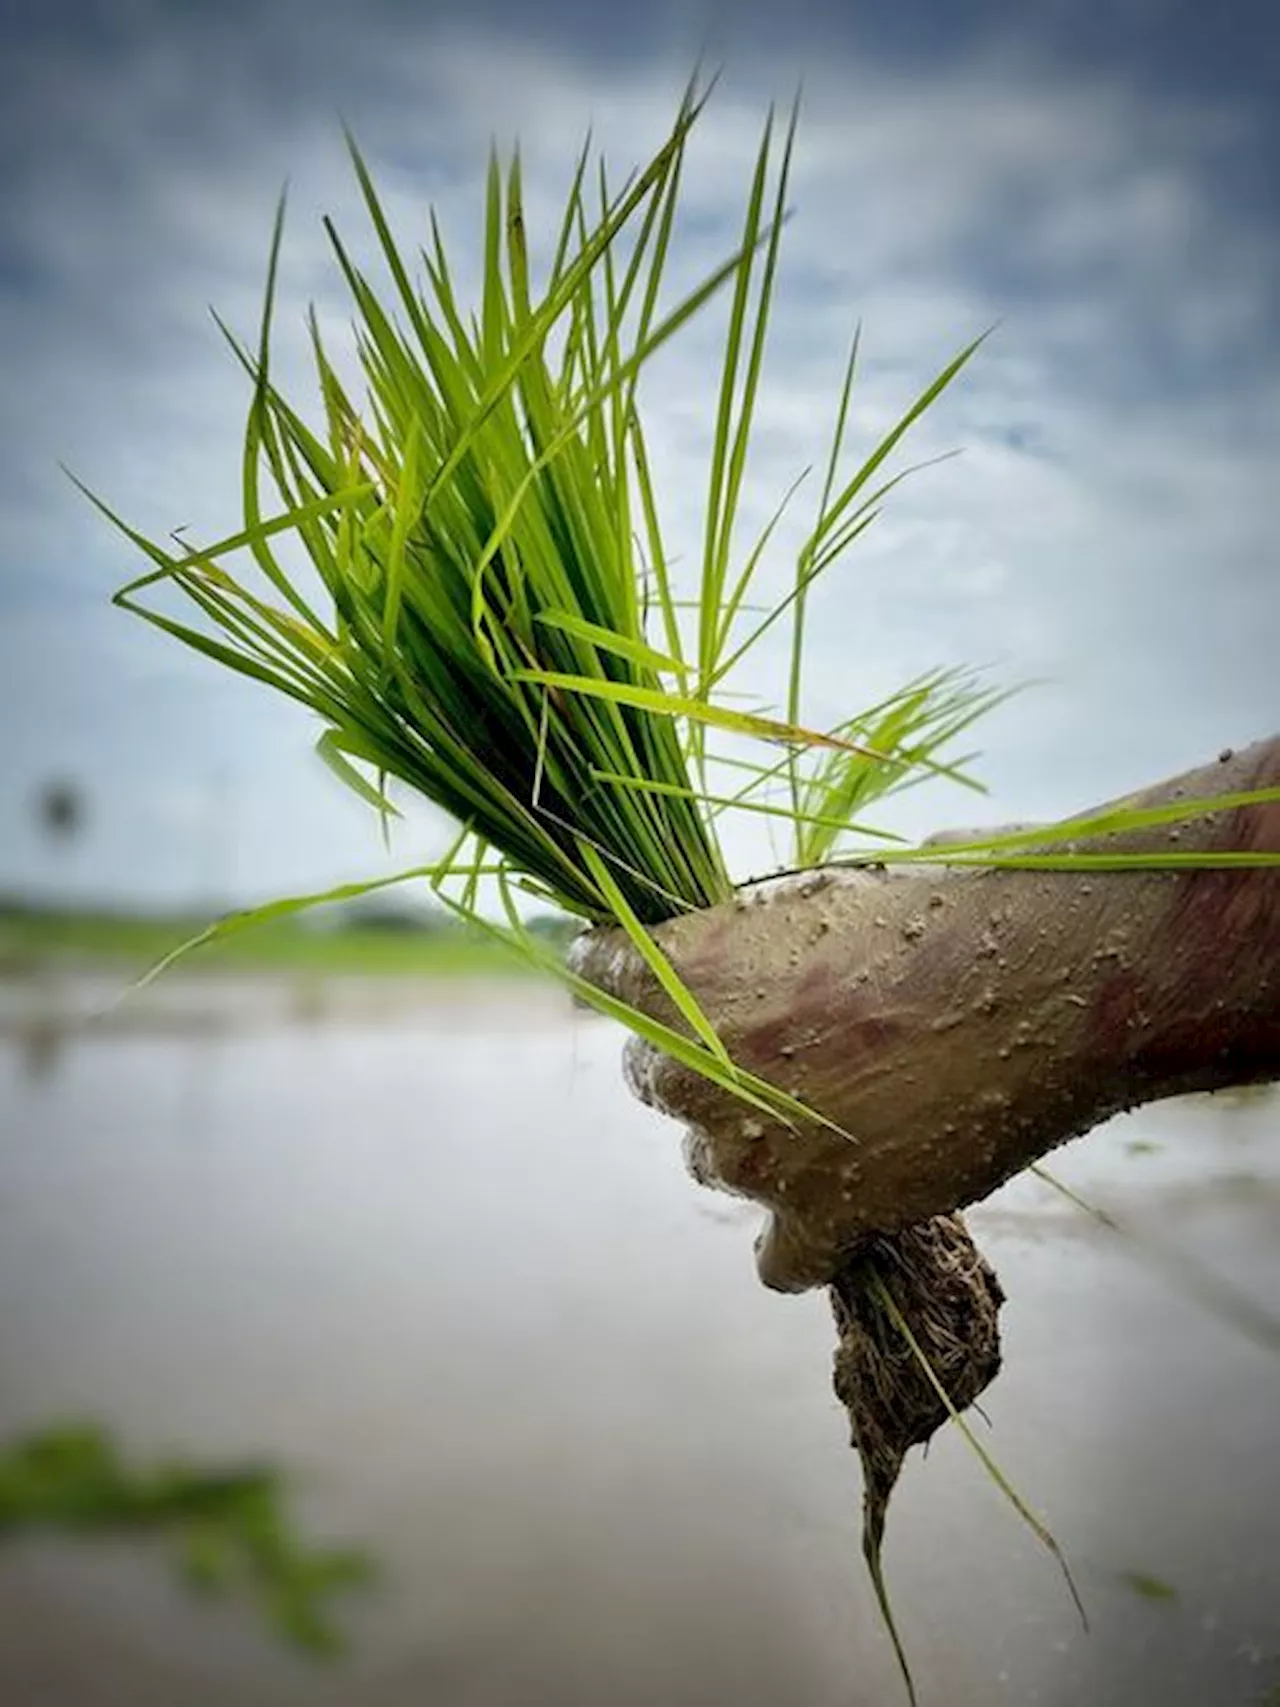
[948,1296]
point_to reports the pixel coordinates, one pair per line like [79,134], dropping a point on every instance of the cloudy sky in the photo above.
[1107,191]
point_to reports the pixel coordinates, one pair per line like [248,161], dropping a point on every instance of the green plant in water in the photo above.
[230,1527]
[492,616]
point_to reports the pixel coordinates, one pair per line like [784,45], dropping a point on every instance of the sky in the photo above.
[1099,184]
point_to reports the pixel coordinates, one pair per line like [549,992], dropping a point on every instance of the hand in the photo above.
[827,986]
[959,1023]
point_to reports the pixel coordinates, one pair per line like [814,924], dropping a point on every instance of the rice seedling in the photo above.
[493,616]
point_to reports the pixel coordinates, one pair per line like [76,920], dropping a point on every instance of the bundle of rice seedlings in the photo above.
[491,617]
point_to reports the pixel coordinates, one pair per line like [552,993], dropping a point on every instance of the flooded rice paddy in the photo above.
[422,1250]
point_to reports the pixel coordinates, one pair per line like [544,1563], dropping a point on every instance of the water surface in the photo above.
[434,1260]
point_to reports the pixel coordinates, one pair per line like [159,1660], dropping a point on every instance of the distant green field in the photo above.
[32,939]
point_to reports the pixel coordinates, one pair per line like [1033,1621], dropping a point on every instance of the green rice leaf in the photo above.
[1037,1527]
[681,705]
[609,640]
[737,1081]
[330,747]
[248,918]
[925,401]
[1200,1284]
[1006,850]
[738,803]
[241,662]
[682,998]
[792,601]
[1210,860]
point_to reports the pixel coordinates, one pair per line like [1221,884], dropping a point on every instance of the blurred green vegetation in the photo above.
[1147,1586]
[229,1528]
[382,940]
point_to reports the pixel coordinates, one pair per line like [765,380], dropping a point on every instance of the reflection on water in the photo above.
[439,1266]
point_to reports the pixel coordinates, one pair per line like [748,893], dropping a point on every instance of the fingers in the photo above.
[703,947]
[731,1154]
[607,959]
[789,1260]
[662,1083]
[731,1145]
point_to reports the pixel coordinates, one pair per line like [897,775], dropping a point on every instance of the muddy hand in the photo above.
[742,962]
[955,1024]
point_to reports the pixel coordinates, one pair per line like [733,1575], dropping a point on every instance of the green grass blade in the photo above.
[682,705]
[330,747]
[255,434]
[1224,860]
[737,1081]
[925,401]
[791,599]
[737,803]
[717,491]
[1200,1284]
[681,996]
[250,917]
[1118,820]
[609,640]
[1037,1527]
[750,387]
